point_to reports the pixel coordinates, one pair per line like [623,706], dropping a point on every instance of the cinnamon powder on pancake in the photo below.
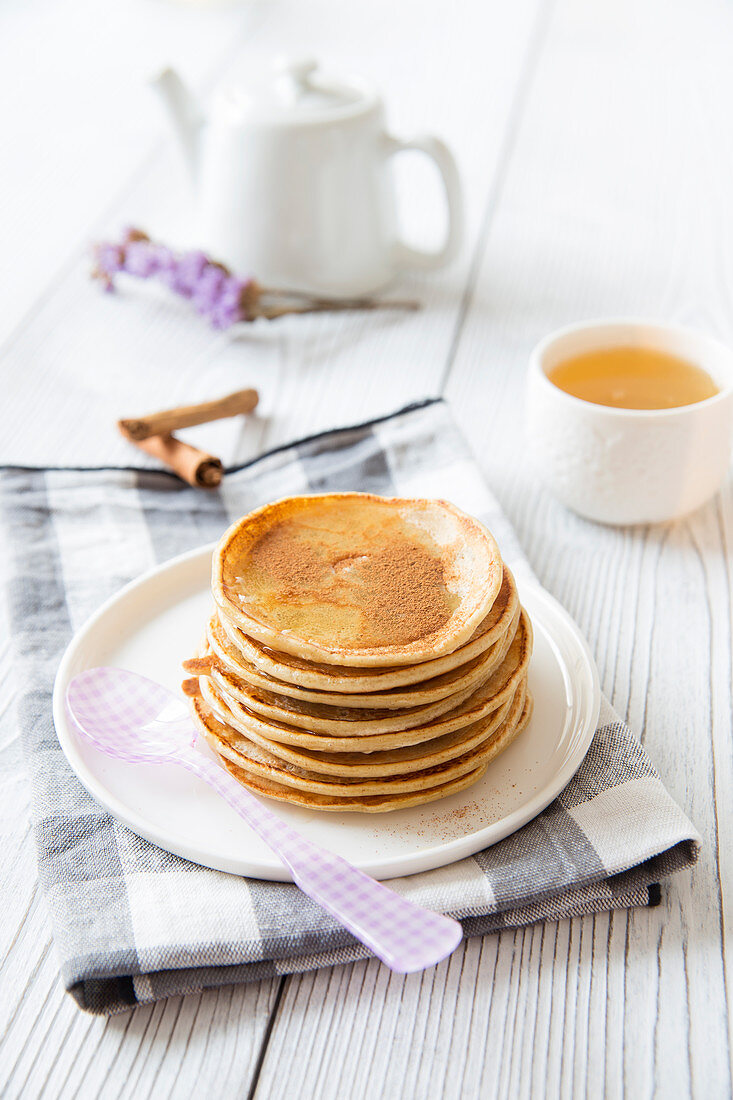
[399,589]
[403,581]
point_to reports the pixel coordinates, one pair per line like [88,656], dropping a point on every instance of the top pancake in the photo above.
[357,580]
[354,680]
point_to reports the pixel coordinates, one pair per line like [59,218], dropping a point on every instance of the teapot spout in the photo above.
[184,114]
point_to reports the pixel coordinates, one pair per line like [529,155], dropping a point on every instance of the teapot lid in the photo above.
[295,91]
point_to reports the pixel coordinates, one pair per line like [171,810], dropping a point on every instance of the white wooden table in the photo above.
[595,146]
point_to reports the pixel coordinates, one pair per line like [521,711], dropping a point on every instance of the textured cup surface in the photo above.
[625,466]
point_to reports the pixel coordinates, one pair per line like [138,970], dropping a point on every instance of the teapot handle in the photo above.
[404,256]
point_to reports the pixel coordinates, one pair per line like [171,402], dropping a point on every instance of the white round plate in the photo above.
[153,624]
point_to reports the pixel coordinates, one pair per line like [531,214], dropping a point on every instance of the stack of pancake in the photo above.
[364,653]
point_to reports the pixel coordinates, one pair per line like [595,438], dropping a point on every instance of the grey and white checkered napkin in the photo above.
[133,923]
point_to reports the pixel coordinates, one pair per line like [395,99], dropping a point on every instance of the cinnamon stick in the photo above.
[199,469]
[186,416]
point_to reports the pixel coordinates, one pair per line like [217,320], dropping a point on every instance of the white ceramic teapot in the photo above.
[294,185]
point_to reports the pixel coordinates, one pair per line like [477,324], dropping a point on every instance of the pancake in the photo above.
[323,718]
[389,762]
[230,665]
[364,653]
[490,695]
[256,761]
[321,677]
[358,580]
[370,804]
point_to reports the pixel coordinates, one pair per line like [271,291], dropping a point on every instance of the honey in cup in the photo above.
[633,377]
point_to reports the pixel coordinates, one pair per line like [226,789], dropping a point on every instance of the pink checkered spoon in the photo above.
[133,718]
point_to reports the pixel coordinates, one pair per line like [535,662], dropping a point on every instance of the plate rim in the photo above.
[394,866]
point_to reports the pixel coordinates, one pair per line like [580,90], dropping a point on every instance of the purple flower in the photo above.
[141,259]
[223,298]
[110,258]
[209,287]
[231,294]
[167,266]
[190,268]
[224,315]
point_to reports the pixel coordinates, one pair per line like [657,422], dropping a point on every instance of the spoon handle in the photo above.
[403,935]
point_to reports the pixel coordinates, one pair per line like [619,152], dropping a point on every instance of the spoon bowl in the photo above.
[129,716]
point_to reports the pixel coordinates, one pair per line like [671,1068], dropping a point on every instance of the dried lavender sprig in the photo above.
[223,298]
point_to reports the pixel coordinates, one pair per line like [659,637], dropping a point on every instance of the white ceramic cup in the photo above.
[624,466]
